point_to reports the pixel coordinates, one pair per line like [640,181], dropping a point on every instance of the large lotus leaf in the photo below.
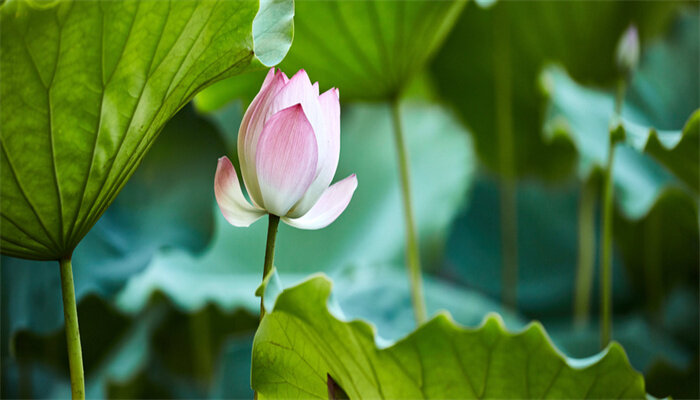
[167,203]
[300,345]
[369,232]
[509,44]
[368,49]
[87,87]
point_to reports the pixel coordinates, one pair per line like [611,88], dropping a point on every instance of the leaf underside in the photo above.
[87,88]
[368,49]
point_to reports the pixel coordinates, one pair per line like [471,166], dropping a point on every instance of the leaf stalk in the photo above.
[412,250]
[70,315]
[508,202]
[586,252]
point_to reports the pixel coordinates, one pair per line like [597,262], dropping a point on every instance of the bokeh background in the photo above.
[509,117]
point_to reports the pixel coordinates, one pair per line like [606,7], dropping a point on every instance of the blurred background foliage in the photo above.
[165,286]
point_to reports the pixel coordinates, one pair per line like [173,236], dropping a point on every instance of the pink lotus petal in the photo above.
[251,127]
[286,159]
[329,207]
[281,93]
[328,160]
[299,90]
[232,203]
[268,78]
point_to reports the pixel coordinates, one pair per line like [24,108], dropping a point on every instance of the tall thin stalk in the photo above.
[652,251]
[606,239]
[412,252]
[506,158]
[70,315]
[586,252]
[606,253]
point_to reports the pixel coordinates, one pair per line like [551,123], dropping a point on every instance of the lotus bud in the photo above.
[288,148]
[627,53]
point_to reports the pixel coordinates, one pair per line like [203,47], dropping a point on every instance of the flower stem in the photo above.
[412,253]
[70,314]
[586,252]
[273,223]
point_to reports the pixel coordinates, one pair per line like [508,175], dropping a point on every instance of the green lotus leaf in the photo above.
[300,345]
[368,49]
[87,86]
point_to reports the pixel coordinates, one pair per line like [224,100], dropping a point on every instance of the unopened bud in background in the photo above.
[627,53]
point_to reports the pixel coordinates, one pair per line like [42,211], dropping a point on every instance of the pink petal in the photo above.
[300,91]
[328,160]
[251,127]
[281,93]
[268,78]
[286,159]
[329,207]
[232,203]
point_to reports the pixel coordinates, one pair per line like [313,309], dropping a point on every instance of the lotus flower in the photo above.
[288,148]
